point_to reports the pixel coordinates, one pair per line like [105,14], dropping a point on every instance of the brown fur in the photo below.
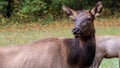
[45,53]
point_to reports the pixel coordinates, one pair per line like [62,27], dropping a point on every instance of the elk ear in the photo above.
[97,9]
[69,12]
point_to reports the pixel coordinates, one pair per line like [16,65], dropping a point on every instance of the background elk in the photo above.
[106,47]
[75,52]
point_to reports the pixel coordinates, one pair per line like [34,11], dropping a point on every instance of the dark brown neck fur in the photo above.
[82,51]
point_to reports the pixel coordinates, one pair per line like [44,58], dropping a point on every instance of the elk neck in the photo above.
[82,49]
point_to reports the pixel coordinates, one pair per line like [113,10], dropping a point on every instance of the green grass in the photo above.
[22,37]
[25,36]
[110,63]
[108,31]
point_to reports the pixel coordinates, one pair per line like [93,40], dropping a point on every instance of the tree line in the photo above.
[33,10]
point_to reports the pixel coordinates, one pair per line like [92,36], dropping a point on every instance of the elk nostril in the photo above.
[75,30]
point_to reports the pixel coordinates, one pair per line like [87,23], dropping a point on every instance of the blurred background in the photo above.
[25,11]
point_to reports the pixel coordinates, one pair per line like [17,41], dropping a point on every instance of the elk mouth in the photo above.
[76,31]
[79,33]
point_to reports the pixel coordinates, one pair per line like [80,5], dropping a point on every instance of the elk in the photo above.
[106,47]
[75,52]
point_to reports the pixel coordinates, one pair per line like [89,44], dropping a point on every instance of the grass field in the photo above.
[25,33]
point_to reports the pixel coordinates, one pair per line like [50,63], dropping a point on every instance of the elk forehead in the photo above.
[82,17]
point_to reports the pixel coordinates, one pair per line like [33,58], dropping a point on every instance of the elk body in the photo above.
[106,47]
[76,52]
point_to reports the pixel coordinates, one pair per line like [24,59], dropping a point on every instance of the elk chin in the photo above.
[79,34]
[76,34]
